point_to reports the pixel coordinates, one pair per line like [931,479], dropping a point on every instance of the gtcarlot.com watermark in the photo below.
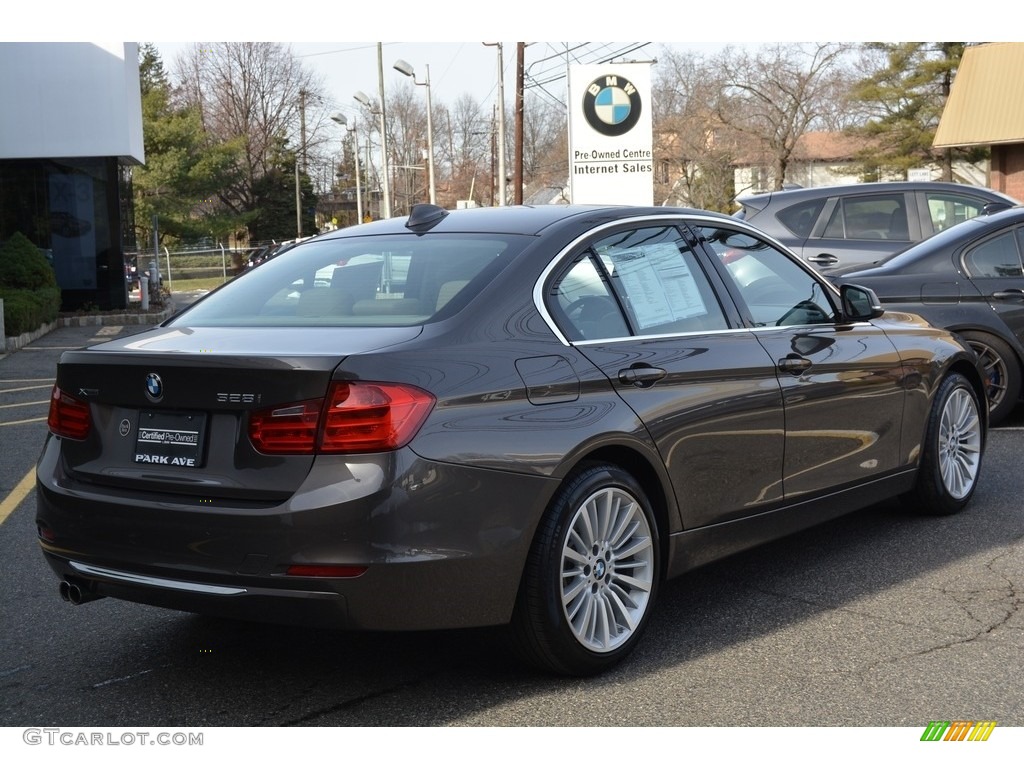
[67,737]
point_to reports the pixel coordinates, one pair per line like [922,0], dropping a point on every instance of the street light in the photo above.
[501,123]
[367,102]
[406,69]
[340,120]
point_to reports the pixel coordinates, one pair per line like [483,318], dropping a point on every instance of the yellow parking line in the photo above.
[15,497]
[23,421]
[22,405]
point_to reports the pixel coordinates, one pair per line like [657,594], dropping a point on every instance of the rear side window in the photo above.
[947,209]
[799,219]
[997,257]
[643,282]
[369,281]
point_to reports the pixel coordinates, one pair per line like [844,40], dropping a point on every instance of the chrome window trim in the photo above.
[674,219]
[659,336]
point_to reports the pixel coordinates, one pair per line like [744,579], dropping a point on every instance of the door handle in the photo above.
[1009,294]
[824,259]
[641,375]
[794,364]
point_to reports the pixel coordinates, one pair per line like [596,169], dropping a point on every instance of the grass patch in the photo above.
[197,284]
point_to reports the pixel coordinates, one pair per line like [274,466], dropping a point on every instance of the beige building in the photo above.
[986,108]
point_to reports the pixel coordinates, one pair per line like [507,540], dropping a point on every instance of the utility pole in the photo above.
[517,194]
[383,132]
[302,153]
[302,128]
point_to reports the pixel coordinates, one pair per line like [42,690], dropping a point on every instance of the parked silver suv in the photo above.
[860,223]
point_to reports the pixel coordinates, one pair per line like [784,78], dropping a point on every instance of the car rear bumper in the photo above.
[436,556]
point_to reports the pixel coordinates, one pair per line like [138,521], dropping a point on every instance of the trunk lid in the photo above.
[169,407]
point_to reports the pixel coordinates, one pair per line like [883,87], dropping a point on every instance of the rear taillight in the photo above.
[69,417]
[357,417]
[287,428]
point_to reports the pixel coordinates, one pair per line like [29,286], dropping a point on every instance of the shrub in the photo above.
[25,311]
[22,265]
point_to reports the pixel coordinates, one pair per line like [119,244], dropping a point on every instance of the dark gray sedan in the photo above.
[555,410]
[969,279]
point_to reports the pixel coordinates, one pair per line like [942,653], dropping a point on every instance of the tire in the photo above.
[952,450]
[1002,373]
[591,576]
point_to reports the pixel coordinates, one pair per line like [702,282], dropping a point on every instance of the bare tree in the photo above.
[695,150]
[468,147]
[407,142]
[777,93]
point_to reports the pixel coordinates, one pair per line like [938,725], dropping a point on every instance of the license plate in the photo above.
[170,439]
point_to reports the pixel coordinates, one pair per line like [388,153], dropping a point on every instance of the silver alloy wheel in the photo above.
[607,570]
[959,443]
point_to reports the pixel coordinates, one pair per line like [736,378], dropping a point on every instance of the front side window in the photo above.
[776,290]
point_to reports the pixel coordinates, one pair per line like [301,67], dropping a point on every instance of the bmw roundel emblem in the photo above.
[611,105]
[154,387]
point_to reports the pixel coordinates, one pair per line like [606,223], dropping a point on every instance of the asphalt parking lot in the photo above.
[876,619]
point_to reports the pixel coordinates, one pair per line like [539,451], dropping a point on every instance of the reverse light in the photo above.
[69,417]
[356,417]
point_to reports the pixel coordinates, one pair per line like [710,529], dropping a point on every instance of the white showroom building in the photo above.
[70,127]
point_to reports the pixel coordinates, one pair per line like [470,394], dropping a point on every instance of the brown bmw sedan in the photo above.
[527,416]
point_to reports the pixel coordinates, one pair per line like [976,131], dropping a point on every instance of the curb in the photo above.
[14,343]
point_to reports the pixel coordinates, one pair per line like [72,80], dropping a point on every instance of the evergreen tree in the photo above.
[274,193]
[185,170]
[903,96]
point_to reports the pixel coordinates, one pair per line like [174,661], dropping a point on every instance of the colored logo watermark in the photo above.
[958,730]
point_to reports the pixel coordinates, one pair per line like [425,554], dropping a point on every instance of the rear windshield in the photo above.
[367,281]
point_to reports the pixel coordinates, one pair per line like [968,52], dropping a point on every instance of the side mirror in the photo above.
[859,304]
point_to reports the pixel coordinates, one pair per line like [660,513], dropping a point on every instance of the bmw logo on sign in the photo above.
[154,387]
[611,105]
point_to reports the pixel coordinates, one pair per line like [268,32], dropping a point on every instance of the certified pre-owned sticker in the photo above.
[172,439]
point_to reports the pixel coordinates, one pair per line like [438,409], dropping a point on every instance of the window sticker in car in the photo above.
[659,284]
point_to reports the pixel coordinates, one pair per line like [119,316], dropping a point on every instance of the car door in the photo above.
[841,382]
[639,302]
[996,269]
[855,229]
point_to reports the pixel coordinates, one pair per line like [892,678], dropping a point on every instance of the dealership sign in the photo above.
[610,134]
